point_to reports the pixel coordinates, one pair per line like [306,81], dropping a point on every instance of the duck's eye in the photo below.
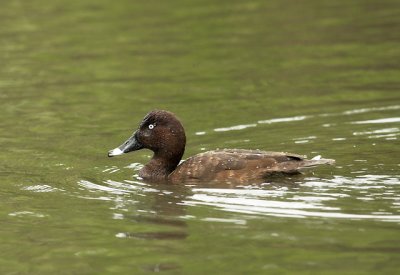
[151,126]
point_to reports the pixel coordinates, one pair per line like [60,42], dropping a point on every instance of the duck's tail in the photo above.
[293,167]
[317,160]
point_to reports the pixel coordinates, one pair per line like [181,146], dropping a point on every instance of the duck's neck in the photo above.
[160,166]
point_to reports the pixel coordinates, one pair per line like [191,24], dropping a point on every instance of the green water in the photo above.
[76,77]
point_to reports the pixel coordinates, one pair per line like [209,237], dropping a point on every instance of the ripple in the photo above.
[27,214]
[235,128]
[111,188]
[281,209]
[234,221]
[97,187]
[265,204]
[317,199]
[387,133]
[381,120]
[41,188]
[373,109]
[283,119]
[379,131]
[304,139]
[267,121]
[303,117]
[111,170]
[135,166]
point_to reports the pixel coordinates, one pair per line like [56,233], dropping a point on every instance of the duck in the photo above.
[163,133]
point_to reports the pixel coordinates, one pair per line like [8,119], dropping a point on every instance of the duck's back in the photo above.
[238,166]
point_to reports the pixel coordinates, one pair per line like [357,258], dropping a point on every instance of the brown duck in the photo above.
[162,132]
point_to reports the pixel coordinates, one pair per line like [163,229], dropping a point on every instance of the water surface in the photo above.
[313,78]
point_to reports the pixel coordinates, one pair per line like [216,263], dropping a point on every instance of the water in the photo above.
[315,78]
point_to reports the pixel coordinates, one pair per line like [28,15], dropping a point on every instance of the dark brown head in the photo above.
[161,132]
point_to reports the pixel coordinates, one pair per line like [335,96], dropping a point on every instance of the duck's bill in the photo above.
[132,144]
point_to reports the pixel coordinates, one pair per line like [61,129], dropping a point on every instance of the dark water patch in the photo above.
[159,221]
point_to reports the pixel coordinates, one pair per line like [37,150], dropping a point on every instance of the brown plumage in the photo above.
[162,132]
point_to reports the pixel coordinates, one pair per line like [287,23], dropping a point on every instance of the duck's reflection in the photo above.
[165,205]
[161,206]
[160,211]
[155,214]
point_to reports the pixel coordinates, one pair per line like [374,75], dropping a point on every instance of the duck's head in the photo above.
[159,131]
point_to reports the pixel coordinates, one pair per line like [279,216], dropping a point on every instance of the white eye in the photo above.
[151,126]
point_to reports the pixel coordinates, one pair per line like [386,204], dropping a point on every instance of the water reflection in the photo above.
[375,121]
[158,206]
[316,198]
[303,117]
[379,133]
[297,197]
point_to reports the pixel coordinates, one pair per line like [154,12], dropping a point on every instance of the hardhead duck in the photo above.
[162,132]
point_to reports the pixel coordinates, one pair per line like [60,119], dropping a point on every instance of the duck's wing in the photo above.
[236,166]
